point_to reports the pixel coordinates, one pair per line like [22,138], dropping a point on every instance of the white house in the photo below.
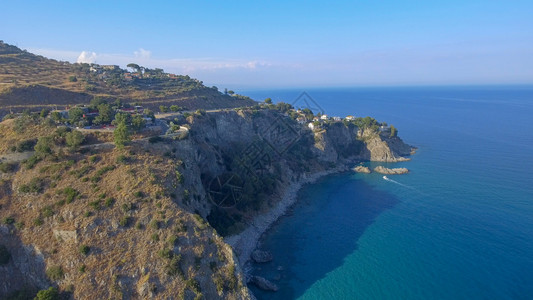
[311,126]
[324,117]
[337,119]
[350,118]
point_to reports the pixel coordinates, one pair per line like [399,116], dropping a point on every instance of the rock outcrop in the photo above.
[260,256]
[393,171]
[362,169]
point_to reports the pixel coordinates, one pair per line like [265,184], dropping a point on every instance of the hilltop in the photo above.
[29,81]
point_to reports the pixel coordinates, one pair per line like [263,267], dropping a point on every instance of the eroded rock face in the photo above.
[394,171]
[260,256]
[379,147]
[264,284]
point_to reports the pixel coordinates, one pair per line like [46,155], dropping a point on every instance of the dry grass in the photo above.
[122,259]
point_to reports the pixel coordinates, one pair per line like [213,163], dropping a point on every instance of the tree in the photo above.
[268,101]
[121,135]
[393,131]
[44,112]
[122,118]
[137,122]
[50,294]
[230,92]
[150,114]
[75,114]
[135,67]
[97,101]
[43,146]
[163,108]
[175,108]
[56,116]
[105,114]
[74,139]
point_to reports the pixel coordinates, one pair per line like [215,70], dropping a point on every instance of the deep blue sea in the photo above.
[458,226]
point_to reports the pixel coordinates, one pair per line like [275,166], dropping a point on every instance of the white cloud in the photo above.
[142,53]
[87,57]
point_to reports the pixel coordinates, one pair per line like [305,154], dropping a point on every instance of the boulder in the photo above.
[264,284]
[260,256]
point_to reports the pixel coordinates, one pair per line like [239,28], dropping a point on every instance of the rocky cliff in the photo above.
[147,221]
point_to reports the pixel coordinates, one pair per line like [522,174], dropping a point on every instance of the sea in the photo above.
[459,225]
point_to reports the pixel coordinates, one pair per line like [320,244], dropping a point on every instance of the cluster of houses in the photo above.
[316,121]
[311,123]
[130,76]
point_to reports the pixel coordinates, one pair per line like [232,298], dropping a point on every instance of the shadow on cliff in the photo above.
[321,231]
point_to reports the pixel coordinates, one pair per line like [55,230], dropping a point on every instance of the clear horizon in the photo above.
[242,45]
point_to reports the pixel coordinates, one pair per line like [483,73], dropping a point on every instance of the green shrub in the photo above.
[50,294]
[55,273]
[32,161]
[122,159]
[6,167]
[165,253]
[173,266]
[38,221]
[125,221]
[82,268]
[84,249]
[109,202]
[155,224]
[5,256]
[70,194]
[179,177]
[8,220]
[26,145]
[47,211]
[138,194]
[34,186]
[95,204]
[155,237]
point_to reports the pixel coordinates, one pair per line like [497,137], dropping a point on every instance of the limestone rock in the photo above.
[362,169]
[394,171]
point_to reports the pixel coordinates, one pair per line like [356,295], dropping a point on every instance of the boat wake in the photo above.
[401,184]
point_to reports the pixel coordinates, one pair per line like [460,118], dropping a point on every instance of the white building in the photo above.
[324,117]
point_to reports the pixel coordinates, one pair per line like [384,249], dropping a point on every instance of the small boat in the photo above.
[385,177]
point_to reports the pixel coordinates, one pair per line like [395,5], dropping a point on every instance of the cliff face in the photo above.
[142,211]
[346,141]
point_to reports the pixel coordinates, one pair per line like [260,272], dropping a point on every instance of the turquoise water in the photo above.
[459,226]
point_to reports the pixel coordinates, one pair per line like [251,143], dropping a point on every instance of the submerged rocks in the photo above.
[264,284]
[260,256]
[362,169]
[394,171]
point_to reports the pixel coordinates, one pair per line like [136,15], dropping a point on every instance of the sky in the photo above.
[279,44]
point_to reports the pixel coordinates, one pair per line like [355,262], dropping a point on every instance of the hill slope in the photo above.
[32,81]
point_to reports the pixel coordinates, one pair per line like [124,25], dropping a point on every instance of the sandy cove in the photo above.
[246,242]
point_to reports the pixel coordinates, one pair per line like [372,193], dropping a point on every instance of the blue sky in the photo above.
[243,44]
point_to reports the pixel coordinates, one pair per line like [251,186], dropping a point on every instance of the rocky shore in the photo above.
[246,242]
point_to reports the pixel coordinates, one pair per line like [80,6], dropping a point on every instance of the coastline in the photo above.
[244,243]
